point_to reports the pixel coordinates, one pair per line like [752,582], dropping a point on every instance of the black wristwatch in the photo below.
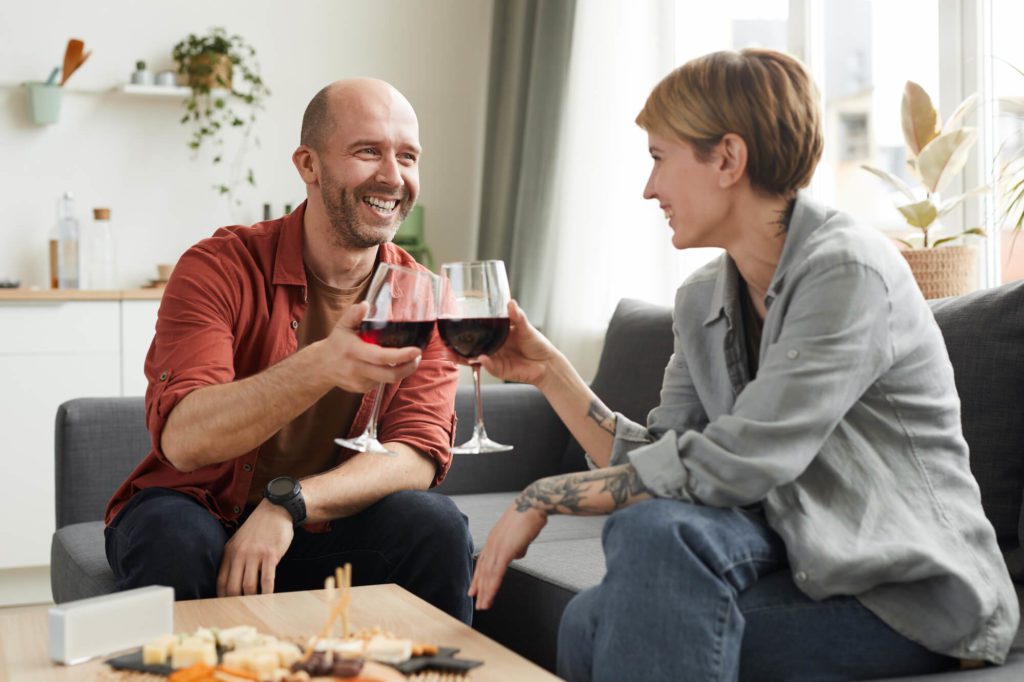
[286,492]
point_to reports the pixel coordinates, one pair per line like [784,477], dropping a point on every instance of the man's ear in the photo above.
[732,159]
[307,163]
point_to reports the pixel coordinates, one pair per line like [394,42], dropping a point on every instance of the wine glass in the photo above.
[403,308]
[473,322]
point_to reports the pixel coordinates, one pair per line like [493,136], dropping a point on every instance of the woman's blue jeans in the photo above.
[697,593]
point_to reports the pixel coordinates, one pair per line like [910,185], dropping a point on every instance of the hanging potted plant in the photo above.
[942,265]
[226,92]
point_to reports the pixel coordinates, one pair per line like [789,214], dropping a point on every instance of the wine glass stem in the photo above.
[478,428]
[371,429]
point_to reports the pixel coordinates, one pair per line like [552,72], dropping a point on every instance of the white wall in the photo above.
[129,153]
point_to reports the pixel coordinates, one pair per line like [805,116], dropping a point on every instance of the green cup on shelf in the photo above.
[44,102]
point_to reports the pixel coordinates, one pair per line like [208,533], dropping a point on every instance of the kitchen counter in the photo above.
[56,295]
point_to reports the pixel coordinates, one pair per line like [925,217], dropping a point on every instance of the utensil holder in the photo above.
[44,102]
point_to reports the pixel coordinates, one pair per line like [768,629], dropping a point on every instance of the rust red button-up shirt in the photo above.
[229,312]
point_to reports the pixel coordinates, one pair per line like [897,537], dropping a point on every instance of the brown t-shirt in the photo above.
[305,446]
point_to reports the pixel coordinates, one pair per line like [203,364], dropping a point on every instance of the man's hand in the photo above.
[508,540]
[357,366]
[252,554]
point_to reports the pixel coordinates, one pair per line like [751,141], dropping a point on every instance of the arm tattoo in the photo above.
[583,493]
[602,415]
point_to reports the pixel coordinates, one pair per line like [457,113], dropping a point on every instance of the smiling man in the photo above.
[256,368]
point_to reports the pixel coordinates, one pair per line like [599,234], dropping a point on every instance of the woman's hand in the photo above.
[508,540]
[526,355]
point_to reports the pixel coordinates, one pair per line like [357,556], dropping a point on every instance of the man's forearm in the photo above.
[363,480]
[217,423]
[585,493]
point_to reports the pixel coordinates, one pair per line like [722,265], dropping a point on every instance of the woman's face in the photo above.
[688,191]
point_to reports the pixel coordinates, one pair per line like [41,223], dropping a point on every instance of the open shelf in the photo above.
[178,91]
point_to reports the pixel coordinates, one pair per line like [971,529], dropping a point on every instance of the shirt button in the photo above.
[163,376]
[793,354]
[801,576]
[236,509]
[246,467]
[295,324]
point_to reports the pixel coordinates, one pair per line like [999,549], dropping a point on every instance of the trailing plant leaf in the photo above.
[944,157]
[226,92]
[966,108]
[919,118]
[893,181]
[949,204]
[920,215]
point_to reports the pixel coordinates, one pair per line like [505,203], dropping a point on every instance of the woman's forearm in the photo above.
[585,493]
[591,423]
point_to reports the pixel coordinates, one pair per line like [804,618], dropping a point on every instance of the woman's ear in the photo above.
[307,164]
[732,160]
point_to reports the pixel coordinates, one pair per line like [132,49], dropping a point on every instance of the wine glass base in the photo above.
[365,444]
[477,445]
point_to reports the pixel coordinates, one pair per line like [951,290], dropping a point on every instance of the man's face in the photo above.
[370,171]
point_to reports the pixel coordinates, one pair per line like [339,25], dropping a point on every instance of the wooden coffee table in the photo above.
[24,634]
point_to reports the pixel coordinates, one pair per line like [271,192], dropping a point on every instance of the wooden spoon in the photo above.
[80,62]
[72,58]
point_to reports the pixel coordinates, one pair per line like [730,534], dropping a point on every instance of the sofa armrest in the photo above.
[515,414]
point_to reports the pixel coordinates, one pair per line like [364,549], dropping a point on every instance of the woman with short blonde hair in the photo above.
[800,505]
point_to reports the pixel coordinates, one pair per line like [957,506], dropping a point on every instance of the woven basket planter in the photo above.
[945,271]
[206,67]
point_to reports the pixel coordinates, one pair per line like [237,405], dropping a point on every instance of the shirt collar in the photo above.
[725,297]
[807,216]
[288,265]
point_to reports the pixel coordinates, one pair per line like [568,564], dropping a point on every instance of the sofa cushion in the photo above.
[637,347]
[485,509]
[78,563]
[984,333]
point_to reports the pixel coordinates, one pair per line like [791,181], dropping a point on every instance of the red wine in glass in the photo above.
[473,336]
[391,334]
[403,306]
[472,321]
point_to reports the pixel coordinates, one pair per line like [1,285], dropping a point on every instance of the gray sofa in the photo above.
[98,441]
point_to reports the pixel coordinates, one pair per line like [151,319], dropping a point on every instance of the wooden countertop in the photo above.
[58,295]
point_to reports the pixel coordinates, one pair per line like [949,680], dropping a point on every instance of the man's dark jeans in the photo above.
[419,540]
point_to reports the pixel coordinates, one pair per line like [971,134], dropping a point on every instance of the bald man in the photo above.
[256,368]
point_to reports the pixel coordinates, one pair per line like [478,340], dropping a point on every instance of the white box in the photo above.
[84,629]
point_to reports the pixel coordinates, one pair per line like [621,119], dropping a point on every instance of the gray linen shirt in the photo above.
[849,435]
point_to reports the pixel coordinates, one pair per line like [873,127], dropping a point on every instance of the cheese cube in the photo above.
[157,651]
[192,650]
[388,650]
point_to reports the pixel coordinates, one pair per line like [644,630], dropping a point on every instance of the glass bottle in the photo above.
[98,256]
[68,237]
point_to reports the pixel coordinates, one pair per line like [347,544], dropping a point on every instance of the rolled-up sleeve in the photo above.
[194,340]
[835,342]
[421,414]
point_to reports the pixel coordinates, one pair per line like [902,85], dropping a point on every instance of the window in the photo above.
[1006,57]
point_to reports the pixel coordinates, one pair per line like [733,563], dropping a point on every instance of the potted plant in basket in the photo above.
[226,92]
[937,154]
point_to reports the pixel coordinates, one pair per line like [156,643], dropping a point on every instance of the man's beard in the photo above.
[342,207]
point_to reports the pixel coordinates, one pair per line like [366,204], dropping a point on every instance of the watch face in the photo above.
[281,487]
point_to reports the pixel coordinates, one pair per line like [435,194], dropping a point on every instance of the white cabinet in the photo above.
[51,352]
[138,323]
